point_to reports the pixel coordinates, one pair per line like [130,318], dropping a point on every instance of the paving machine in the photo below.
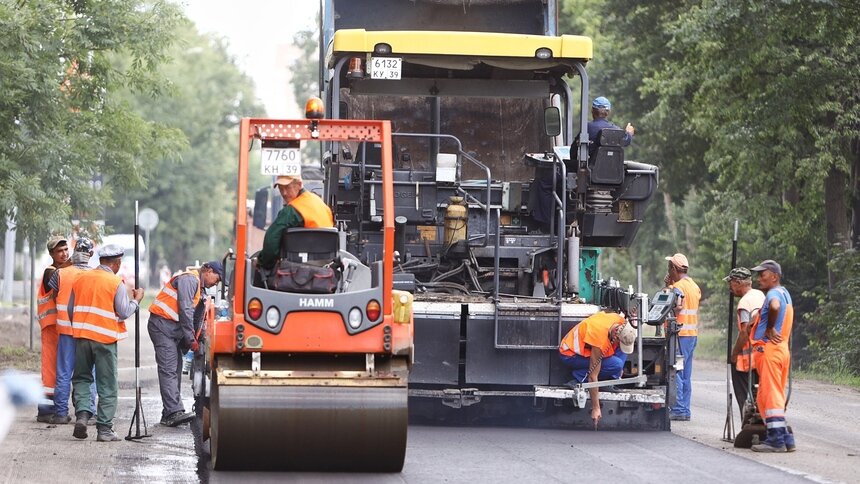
[501,203]
[307,379]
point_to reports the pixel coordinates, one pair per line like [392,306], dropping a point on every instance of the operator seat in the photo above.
[318,246]
[606,158]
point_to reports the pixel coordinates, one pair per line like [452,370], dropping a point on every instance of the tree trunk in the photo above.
[836,214]
[854,154]
[670,216]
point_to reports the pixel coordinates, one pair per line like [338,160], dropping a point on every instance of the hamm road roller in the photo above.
[310,375]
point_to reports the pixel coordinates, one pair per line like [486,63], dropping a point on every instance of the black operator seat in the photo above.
[371,153]
[318,246]
[606,158]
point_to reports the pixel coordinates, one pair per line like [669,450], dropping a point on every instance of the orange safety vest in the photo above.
[166,303]
[752,297]
[745,356]
[313,210]
[688,317]
[95,317]
[47,305]
[785,331]
[68,276]
[592,331]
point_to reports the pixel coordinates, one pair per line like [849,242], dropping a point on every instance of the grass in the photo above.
[835,376]
[20,358]
[712,346]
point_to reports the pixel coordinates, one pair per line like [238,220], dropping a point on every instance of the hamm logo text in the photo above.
[313,302]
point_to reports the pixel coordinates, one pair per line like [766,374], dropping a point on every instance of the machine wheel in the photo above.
[308,428]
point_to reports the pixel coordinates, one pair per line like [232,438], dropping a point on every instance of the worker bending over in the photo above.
[172,331]
[597,349]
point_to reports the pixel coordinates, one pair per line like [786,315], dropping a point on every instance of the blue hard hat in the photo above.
[601,103]
[216,267]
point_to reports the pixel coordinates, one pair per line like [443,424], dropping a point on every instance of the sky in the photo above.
[259,35]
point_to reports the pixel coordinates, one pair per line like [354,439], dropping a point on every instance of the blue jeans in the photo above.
[65,369]
[683,378]
[610,368]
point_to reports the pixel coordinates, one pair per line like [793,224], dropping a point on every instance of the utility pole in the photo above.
[8,261]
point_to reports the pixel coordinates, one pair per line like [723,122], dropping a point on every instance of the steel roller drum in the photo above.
[304,428]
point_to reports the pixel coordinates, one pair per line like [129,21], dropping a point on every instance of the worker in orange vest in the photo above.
[98,307]
[740,285]
[171,327]
[61,283]
[770,338]
[687,316]
[597,348]
[58,249]
[302,208]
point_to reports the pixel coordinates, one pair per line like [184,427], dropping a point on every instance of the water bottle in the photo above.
[186,362]
[221,310]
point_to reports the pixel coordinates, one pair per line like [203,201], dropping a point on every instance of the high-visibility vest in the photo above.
[47,305]
[95,317]
[313,210]
[784,326]
[591,332]
[688,316]
[68,276]
[166,304]
[751,301]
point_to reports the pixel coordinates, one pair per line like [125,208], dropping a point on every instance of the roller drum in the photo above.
[309,428]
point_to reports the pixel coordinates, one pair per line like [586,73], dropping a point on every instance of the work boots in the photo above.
[81,419]
[176,418]
[774,443]
[106,434]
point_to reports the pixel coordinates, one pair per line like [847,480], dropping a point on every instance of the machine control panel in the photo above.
[661,304]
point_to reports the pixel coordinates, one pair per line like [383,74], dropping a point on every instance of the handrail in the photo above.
[467,195]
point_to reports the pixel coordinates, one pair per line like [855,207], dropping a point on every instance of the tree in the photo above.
[194,192]
[68,142]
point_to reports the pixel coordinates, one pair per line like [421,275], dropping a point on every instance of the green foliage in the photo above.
[836,323]
[752,111]
[69,143]
[194,192]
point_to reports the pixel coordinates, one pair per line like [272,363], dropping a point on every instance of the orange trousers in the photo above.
[772,365]
[49,358]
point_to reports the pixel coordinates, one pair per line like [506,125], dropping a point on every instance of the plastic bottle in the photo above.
[186,362]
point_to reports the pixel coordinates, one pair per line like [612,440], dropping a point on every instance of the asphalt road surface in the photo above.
[822,416]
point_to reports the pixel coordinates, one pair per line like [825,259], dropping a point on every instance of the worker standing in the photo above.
[687,317]
[740,285]
[61,283]
[770,338]
[58,249]
[597,348]
[98,306]
[171,327]
[302,208]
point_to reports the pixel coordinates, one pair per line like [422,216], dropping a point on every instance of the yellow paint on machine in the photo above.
[486,44]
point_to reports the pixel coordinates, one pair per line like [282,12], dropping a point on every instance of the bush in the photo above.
[836,323]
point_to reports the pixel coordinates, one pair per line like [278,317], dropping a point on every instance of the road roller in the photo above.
[305,366]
